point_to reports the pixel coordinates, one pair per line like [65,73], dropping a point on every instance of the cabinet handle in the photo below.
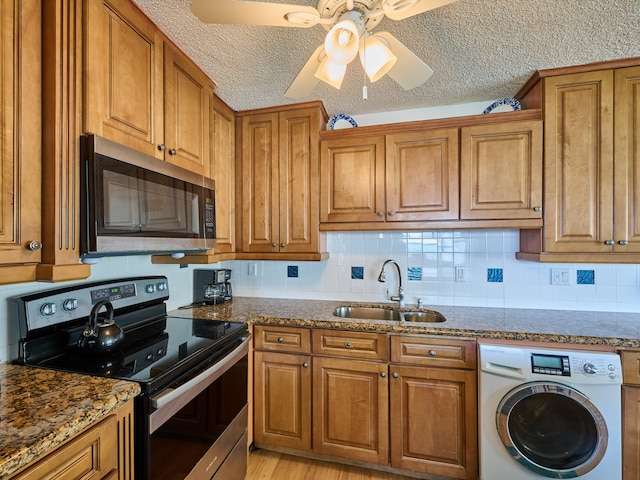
[34,245]
[305,365]
[274,244]
[383,374]
[280,339]
[623,242]
[162,147]
[395,375]
[172,151]
[432,353]
[537,208]
[379,213]
[391,213]
[348,345]
[282,245]
[609,242]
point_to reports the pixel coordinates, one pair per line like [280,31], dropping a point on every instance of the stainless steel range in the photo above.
[191,418]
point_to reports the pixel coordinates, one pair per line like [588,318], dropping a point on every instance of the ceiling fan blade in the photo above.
[420,7]
[306,81]
[409,71]
[242,12]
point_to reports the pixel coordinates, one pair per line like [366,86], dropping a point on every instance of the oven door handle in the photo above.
[170,400]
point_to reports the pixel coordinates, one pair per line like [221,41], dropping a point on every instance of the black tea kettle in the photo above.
[101,337]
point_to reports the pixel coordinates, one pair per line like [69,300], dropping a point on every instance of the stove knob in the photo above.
[161,287]
[48,308]
[70,304]
[150,288]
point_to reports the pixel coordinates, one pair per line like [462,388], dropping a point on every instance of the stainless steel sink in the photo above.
[382,313]
[427,317]
[369,313]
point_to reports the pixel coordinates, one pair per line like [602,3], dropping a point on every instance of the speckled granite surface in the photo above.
[40,409]
[560,326]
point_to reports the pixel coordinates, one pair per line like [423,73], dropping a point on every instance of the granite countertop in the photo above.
[40,409]
[558,326]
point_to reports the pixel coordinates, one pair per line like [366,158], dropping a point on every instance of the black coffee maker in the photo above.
[212,286]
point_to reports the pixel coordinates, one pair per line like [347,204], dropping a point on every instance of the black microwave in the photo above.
[132,203]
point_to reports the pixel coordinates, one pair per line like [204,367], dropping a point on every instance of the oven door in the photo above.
[197,429]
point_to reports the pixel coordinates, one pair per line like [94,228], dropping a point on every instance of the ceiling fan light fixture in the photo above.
[376,58]
[331,72]
[343,40]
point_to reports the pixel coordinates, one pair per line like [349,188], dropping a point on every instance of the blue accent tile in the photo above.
[357,273]
[414,274]
[292,271]
[494,275]
[586,277]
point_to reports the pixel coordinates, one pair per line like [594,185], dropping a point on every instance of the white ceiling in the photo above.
[480,50]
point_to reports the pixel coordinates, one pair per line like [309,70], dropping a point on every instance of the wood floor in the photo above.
[266,465]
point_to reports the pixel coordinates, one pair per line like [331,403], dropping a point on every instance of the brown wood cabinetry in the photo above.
[141,91]
[282,387]
[104,451]
[20,155]
[433,410]
[631,414]
[591,139]
[501,171]
[279,181]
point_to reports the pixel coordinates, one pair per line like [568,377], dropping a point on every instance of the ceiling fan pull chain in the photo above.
[365,93]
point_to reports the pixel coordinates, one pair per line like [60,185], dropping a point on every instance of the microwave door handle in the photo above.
[170,400]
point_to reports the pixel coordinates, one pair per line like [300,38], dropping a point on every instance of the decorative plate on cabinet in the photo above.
[341,120]
[503,105]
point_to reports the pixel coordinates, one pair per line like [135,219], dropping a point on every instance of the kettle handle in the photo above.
[93,316]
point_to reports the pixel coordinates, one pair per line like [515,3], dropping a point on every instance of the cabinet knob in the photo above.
[348,345]
[609,242]
[383,374]
[162,147]
[172,151]
[623,242]
[395,375]
[305,365]
[391,213]
[280,339]
[282,245]
[432,353]
[34,245]
[274,244]
[537,208]
[379,213]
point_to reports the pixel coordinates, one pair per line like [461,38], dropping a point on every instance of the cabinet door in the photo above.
[123,76]
[627,160]
[578,151]
[187,97]
[299,132]
[352,180]
[259,182]
[223,172]
[282,393]
[350,405]
[501,171]
[20,148]
[434,421]
[630,433]
[422,176]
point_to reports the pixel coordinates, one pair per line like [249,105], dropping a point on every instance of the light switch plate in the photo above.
[560,276]
[253,269]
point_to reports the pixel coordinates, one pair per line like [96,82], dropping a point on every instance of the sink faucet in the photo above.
[381,278]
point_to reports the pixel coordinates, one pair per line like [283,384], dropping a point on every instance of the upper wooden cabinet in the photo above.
[20,148]
[592,157]
[142,92]
[279,180]
[501,171]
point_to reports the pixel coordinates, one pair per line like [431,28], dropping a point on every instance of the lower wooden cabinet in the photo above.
[104,451]
[630,414]
[403,402]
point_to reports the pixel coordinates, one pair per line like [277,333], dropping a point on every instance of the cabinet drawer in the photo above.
[421,350]
[630,366]
[281,339]
[372,346]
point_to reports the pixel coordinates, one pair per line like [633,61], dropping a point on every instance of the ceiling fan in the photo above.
[349,24]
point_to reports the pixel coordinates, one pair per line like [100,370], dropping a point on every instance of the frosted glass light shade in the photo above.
[376,58]
[331,72]
[342,42]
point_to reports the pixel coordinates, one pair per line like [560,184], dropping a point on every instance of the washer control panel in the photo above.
[549,364]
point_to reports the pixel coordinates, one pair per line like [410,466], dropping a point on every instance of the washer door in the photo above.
[552,429]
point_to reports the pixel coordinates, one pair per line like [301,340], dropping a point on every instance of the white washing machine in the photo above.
[549,413]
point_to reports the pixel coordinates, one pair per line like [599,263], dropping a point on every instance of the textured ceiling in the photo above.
[480,50]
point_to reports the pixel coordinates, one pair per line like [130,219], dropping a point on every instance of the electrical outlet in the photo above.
[253,269]
[560,276]
[461,274]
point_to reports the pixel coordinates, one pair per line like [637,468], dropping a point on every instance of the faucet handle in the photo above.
[419,302]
